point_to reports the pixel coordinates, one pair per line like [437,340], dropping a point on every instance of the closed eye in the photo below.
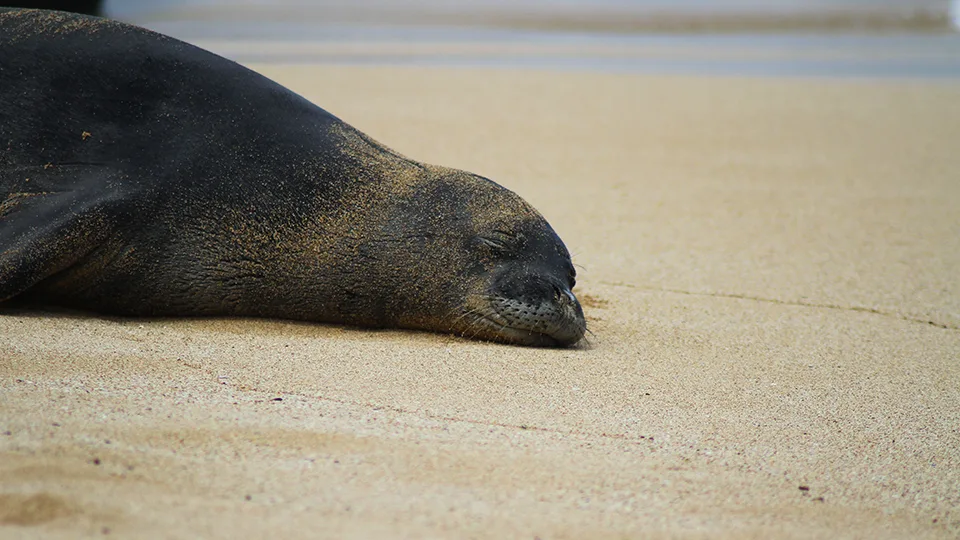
[499,240]
[495,244]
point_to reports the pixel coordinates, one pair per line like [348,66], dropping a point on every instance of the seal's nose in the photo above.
[571,325]
[564,296]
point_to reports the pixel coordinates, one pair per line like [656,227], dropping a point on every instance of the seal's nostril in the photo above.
[559,292]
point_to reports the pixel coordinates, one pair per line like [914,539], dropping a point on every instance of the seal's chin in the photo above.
[557,322]
[498,331]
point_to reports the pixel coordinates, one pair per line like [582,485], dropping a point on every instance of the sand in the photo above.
[770,269]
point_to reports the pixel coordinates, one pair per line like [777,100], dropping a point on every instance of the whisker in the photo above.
[500,334]
[476,326]
[586,338]
[469,312]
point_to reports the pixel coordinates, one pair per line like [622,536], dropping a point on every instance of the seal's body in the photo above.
[140,175]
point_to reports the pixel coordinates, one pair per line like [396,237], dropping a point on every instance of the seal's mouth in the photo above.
[558,322]
[518,336]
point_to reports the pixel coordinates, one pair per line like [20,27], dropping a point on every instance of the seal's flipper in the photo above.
[42,233]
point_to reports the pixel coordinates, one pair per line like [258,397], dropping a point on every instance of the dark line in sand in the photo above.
[372,406]
[523,427]
[799,303]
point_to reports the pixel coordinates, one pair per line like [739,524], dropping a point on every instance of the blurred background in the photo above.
[857,38]
[595,15]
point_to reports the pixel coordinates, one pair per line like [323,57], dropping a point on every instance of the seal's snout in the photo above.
[537,310]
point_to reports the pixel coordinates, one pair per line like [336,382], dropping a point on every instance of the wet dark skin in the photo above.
[141,176]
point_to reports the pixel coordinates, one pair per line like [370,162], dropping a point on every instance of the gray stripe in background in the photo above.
[825,38]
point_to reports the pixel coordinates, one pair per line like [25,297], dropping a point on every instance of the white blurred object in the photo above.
[955,13]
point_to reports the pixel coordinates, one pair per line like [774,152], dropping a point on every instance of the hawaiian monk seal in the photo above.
[142,176]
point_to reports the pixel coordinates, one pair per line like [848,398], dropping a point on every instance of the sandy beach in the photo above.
[770,269]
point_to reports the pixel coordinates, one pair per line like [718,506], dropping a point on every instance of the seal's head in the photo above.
[480,262]
[528,281]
